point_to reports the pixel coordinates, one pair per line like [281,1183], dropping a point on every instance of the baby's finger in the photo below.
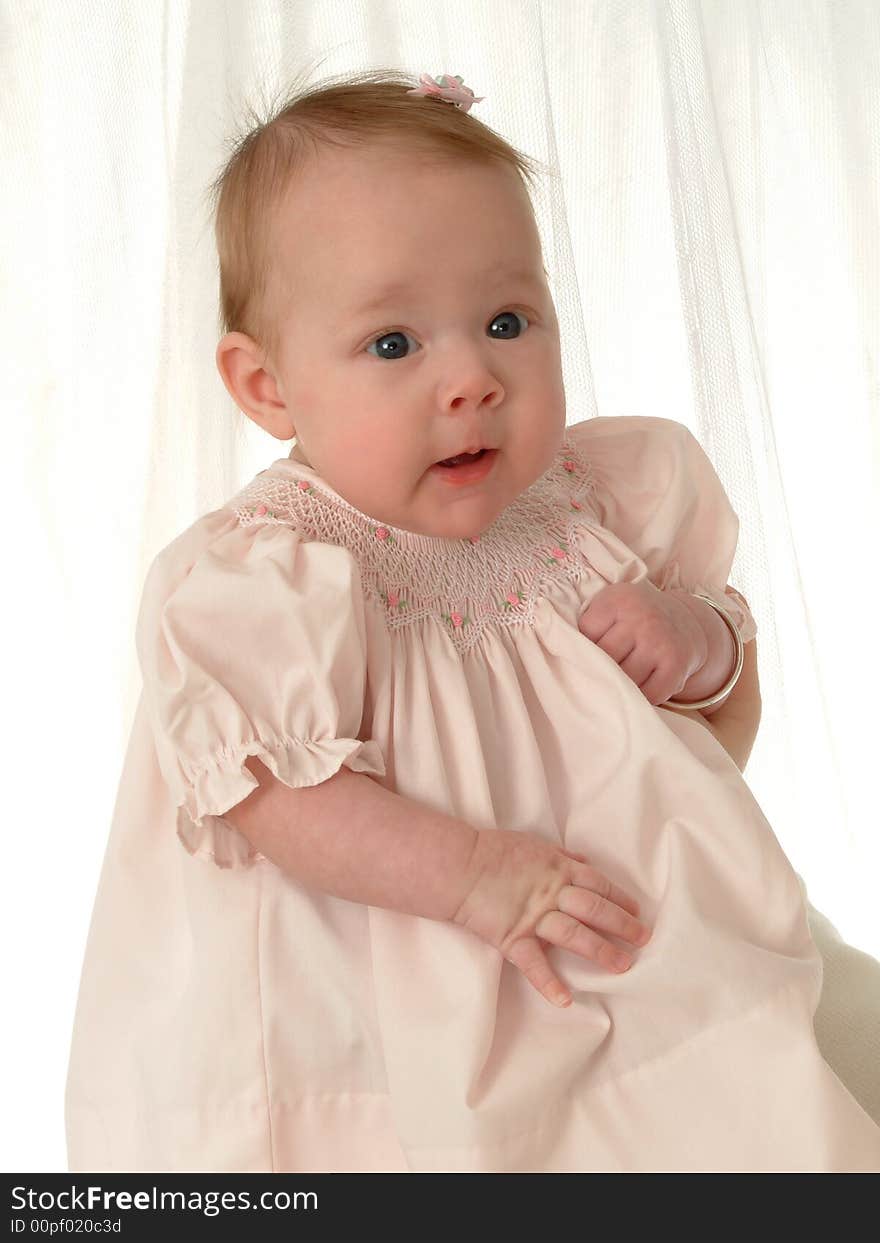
[591,878]
[529,957]
[588,908]
[574,855]
[569,933]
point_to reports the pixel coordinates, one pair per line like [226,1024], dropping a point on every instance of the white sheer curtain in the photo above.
[714,246]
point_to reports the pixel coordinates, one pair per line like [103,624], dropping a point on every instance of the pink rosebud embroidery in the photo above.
[556,554]
[568,465]
[381,533]
[304,485]
[260,510]
[576,504]
[513,598]
[456,619]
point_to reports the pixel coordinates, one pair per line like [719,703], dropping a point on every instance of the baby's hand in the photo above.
[522,890]
[652,634]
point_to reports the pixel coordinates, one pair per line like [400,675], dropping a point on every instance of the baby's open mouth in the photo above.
[460,458]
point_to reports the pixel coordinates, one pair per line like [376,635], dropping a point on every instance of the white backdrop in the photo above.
[713,240]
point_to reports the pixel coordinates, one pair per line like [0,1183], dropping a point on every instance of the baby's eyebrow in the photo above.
[395,289]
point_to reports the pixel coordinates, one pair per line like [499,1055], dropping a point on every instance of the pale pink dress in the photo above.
[231,1020]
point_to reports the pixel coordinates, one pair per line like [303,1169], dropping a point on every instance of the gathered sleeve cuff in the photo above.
[252,645]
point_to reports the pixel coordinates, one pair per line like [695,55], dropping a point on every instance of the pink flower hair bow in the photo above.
[450,88]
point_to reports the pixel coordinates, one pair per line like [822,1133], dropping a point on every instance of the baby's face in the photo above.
[380,384]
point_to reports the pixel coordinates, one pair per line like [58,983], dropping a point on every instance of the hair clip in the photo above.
[449,88]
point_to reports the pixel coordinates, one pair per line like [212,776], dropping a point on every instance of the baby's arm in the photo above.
[350,837]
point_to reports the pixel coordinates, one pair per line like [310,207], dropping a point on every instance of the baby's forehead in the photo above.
[349,225]
[348,184]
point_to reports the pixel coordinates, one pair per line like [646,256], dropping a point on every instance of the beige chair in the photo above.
[847,1020]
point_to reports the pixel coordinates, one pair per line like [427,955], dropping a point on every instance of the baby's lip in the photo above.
[471,449]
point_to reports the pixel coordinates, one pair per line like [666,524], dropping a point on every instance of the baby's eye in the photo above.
[393,344]
[505,332]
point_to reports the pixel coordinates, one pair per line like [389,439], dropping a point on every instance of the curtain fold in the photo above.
[712,233]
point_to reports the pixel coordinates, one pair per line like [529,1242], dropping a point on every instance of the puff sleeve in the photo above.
[655,488]
[251,641]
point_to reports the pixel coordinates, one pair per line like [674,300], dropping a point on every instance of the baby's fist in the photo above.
[653,635]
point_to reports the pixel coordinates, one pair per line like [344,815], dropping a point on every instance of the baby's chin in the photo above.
[465,519]
[438,518]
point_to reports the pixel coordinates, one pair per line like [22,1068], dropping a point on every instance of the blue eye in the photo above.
[393,344]
[504,335]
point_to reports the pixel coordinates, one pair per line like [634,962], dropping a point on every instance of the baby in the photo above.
[412,704]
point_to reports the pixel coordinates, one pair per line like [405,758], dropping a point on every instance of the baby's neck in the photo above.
[297,453]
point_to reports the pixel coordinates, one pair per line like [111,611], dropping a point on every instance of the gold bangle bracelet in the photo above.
[738,663]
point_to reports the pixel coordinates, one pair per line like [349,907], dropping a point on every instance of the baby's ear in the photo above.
[280,426]
[250,382]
